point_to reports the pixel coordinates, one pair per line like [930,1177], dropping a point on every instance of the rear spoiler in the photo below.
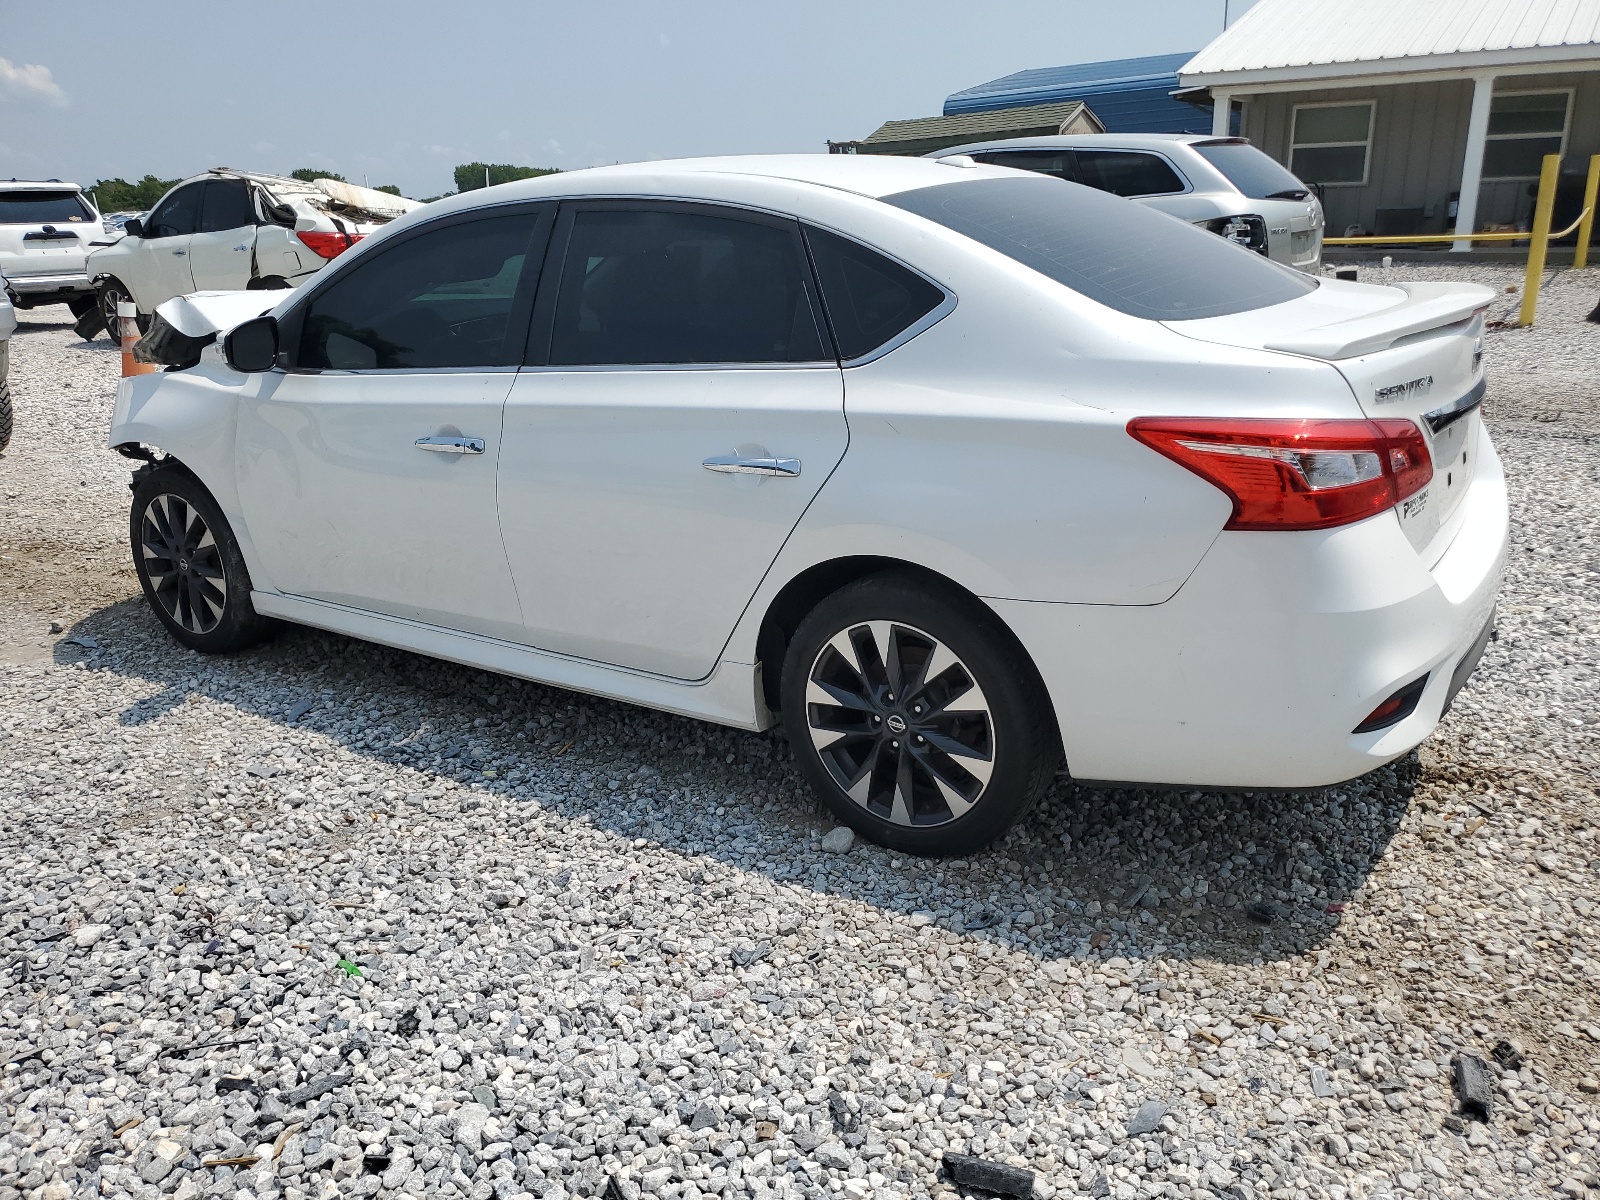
[1426,306]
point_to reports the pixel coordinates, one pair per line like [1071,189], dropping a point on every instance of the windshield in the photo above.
[1251,171]
[39,208]
[1118,252]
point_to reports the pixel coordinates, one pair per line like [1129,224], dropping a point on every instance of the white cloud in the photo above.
[30,81]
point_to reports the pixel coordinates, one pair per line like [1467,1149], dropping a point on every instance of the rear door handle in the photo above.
[733,464]
[451,445]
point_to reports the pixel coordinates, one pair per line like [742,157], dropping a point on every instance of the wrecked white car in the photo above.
[235,230]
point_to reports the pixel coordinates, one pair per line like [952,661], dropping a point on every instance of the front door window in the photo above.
[441,299]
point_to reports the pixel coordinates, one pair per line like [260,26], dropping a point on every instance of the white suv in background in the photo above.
[46,228]
[232,230]
[1225,185]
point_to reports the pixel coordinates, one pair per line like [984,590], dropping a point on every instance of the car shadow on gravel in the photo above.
[1093,872]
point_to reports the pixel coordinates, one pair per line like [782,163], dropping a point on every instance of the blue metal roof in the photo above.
[1129,95]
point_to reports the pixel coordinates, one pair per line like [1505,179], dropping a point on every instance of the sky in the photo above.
[400,91]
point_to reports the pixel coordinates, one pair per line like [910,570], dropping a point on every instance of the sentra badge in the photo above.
[1404,391]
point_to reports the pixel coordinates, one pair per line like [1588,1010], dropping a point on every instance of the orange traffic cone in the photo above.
[127,334]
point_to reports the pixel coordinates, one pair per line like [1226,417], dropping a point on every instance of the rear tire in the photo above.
[190,566]
[5,414]
[916,717]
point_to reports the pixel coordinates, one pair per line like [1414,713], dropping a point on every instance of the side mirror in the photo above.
[253,346]
[133,227]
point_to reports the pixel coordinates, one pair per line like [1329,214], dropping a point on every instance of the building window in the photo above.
[1523,128]
[1331,142]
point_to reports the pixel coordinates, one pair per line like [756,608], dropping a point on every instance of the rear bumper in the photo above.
[1279,645]
[64,284]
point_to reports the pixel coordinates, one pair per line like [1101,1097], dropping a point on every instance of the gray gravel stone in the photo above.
[838,840]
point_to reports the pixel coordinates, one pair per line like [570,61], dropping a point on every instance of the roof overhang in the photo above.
[1536,60]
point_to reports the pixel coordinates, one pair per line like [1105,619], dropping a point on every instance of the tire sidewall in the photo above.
[1024,748]
[239,625]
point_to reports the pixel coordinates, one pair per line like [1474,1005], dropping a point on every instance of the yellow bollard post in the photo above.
[1591,193]
[1542,208]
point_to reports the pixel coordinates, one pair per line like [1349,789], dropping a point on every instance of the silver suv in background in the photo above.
[46,228]
[1225,185]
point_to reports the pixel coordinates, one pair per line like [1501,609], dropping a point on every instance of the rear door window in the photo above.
[43,208]
[455,296]
[1045,162]
[1126,256]
[647,285]
[870,299]
[1127,173]
[226,206]
[177,215]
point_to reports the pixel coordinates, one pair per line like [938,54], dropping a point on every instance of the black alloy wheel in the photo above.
[190,565]
[916,717]
[183,563]
[900,724]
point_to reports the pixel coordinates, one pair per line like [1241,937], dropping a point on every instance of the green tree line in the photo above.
[470,176]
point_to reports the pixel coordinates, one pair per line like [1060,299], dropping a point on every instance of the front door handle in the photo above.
[180,253]
[734,464]
[451,445]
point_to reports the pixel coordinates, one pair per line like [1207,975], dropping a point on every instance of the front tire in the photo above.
[5,414]
[112,291]
[916,717]
[190,566]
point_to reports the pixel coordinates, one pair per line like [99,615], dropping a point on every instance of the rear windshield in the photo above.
[1118,252]
[1251,171]
[39,208]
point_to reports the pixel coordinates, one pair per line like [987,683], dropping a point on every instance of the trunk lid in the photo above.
[1412,350]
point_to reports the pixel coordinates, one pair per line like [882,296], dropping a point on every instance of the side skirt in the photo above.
[728,696]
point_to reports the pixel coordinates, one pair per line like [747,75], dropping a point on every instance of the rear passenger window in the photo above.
[1125,173]
[1045,162]
[443,298]
[227,206]
[641,286]
[870,299]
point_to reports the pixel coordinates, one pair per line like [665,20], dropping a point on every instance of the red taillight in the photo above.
[327,245]
[1310,474]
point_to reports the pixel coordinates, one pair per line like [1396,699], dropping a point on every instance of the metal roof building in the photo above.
[1412,116]
[1129,95]
[922,135]
[1304,40]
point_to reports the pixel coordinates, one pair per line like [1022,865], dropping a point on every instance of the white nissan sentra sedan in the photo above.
[955,471]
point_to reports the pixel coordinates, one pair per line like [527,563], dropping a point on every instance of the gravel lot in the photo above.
[328,919]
